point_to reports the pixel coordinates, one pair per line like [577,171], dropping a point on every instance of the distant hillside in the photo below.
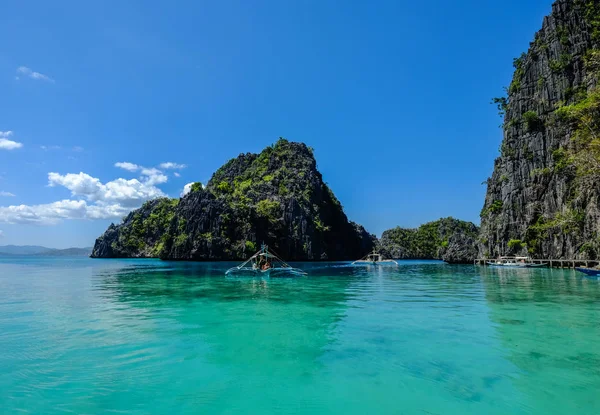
[23,250]
[43,251]
[67,252]
[449,239]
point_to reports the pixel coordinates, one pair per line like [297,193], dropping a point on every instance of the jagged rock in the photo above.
[538,193]
[139,235]
[449,239]
[461,249]
[277,197]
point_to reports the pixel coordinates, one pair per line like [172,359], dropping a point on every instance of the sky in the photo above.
[108,104]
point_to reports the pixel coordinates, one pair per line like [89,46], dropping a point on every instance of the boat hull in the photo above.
[384,263]
[589,271]
[491,264]
[272,273]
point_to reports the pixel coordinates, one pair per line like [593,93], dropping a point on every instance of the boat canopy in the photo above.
[519,258]
[265,262]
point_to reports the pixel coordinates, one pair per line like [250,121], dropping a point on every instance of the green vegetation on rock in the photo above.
[553,210]
[277,197]
[429,241]
[532,121]
[196,187]
[515,245]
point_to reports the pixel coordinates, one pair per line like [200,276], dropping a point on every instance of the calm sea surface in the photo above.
[148,337]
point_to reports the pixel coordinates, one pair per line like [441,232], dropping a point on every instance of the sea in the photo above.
[85,336]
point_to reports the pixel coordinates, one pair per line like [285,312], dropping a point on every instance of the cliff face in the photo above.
[277,197]
[542,197]
[449,239]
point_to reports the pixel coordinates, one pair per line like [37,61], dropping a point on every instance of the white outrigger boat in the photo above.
[374,259]
[264,264]
[514,262]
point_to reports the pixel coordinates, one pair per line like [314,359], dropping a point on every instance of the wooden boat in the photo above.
[590,272]
[374,259]
[265,264]
[514,262]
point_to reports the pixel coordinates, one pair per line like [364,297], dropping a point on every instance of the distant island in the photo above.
[277,197]
[35,250]
[448,239]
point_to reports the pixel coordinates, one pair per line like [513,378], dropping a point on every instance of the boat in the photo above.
[514,262]
[265,263]
[374,259]
[590,272]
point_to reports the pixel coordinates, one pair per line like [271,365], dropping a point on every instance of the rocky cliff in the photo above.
[277,197]
[449,239]
[542,197]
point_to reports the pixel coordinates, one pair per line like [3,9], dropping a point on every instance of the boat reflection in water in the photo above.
[374,259]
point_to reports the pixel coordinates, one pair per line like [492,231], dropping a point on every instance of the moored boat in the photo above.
[514,262]
[591,272]
[264,263]
[374,259]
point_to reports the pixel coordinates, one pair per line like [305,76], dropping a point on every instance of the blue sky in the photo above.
[394,96]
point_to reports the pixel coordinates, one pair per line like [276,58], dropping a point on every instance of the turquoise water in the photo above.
[147,337]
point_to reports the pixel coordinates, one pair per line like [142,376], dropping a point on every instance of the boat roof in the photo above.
[266,254]
[514,257]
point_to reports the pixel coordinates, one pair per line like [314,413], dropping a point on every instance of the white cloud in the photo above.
[46,214]
[188,188]
[153,176]
[5,143]
[129,193]
[1,234]
[53,213]
[176,174]
[107,211]
[78,149]
[173,166]
[90,197]
[127,166]
[25,71]
[6,194]
[50,148]
[95,200]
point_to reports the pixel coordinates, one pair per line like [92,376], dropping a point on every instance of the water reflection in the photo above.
[157,337]
[243,326]
[547,322]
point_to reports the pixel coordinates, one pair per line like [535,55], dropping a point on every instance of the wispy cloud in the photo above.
[154,176]
[6,194]
[169,165]
[1,234]
[151,175]
[47,148]
[76,149]
[176,174]
[25,71]
[6,144]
